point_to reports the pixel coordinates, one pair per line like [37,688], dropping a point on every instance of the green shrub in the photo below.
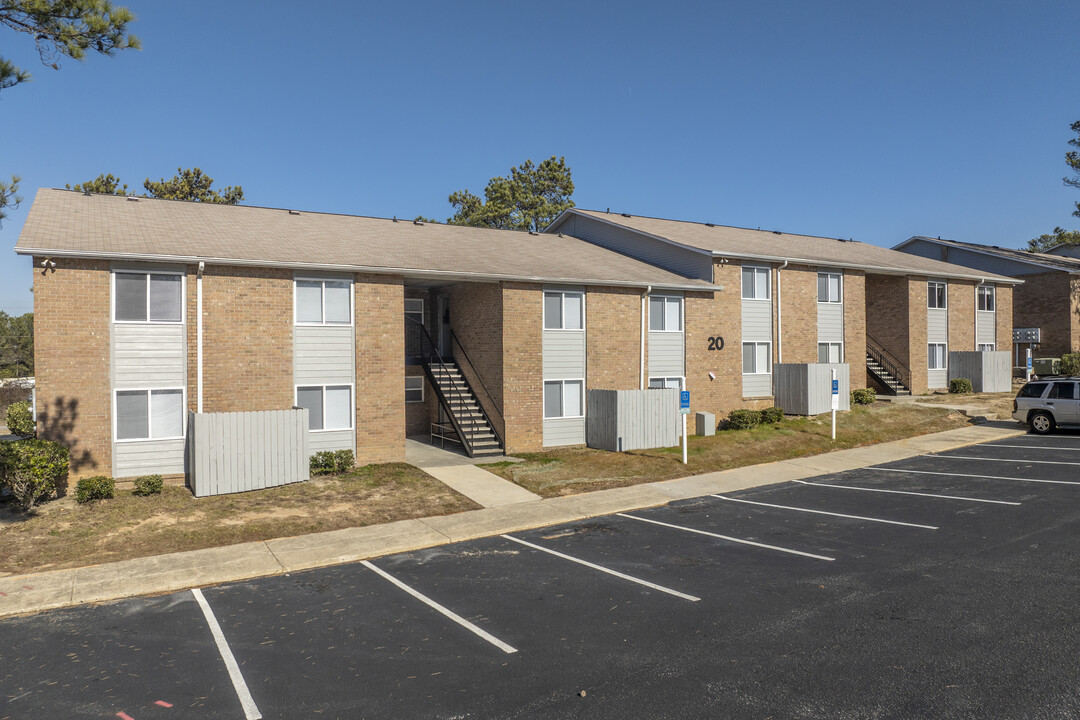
[1070,364]
[97,487]
[32,470]
[743,419]
[343,461]
[148,485]
[960,386]
[863,396]
[327,462]
[20,420]
[772,415]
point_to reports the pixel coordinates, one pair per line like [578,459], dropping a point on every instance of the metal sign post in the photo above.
[1028,376]
[835,401]
[684,410]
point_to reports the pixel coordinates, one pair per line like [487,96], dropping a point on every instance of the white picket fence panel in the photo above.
[621,420]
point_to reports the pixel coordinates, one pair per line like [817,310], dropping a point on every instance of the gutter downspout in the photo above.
[644,319]
[199,334]
[982,281]
[779,317]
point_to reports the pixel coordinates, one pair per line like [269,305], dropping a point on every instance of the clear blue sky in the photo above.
[875,121]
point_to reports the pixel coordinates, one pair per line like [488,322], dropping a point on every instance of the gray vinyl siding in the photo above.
[630,242]
[564,354]
[830,322]
[149,356]
[564,431]
[969,259]
[756,327]
[667,354]
[937,331]
[331,440]
[985,327]
[756,385]
[148,457]
[323,355]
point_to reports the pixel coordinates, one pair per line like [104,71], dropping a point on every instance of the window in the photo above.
[1032,390]
[414,309]
[414,389]
[329,406]
[985,294]
[660,383]
[756,358]
[564,310]
[986,347]
[562,398]
[147,297]
[935,356]
[1062,391]
[755,283]
[830,352]
[665,313]
[935,295]
[149,414]
[323,302]
[828,288]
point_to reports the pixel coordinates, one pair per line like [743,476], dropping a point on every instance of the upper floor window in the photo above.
[828,288]
[148,297]
[755,283]
[323,302]
[665,313]
[414,309]
[985,293]
[564,310]
[935,295]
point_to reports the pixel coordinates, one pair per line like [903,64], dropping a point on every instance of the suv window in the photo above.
[1063,391]
[1032,390]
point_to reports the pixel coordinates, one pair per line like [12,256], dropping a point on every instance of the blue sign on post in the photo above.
[684,401]
[835,387]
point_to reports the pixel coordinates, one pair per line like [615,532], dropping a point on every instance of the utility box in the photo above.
[806,388]
[705,423]
[1046,366]
[988,371]
[620,420]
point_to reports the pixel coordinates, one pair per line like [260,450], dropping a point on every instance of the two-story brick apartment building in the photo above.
[804,299]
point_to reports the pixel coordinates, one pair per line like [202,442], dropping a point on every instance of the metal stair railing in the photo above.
[491,400]
[889,363]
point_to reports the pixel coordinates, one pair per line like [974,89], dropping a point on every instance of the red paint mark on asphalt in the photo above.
[3,594]
[27,587]
[124,716]
[162,703]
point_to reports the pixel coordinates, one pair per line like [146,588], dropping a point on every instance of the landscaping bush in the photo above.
[960,386]
[97,487]
[863,396]
[20,420]
[1070,364]
[148,485]
[743,419]
[343,461]
[32,470]
[327,462]
[772,415]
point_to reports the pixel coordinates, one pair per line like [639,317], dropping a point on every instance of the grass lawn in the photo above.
[62,533]
[573,470]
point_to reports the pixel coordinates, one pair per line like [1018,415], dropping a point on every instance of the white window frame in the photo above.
[149,416]
[984,293]
[668,298]
[409,312]
[839,288]
[562,394]
[986,347]
[352,404]
[768,281]
[944,295]
[562,312]
[944,356]
[420,388]
[322,297]
[768,354]
[681,380]
[828,346]
[148,273]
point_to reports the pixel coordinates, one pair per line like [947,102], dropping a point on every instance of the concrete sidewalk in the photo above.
[177,571]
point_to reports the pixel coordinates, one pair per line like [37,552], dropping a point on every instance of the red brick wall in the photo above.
[1048,301]
[855,326]
[917,331]
[613,338]
[476,315]
[961,315]
[379,303]
[72,361]
[1003,317]
[798,318]
[896,318]
[716,315]
[523,379]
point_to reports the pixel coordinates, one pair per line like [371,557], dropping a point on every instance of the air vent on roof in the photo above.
[608,211]
[417,222]
[709,225]
[626,214]
[86,193]
[533,232]
[294,212]
[395,218]
[777,232]
[132,198]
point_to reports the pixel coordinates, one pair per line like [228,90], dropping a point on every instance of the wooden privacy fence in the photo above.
[988,371]
[239,451]
[806,388]
[632,419]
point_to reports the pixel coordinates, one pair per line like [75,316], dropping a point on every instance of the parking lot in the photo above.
[940,586]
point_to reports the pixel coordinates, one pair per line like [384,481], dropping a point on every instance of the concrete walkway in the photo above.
[459,471]
[178,571]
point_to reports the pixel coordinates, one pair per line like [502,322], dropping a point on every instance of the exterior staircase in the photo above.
[466,415]
[883,375]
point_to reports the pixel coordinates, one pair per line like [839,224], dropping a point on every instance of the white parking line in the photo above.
[981,477]
[1033,447]
[823,512]
[907,492]
[1038,462]
[727,537]
[251,712]
[445,611]
[609,571]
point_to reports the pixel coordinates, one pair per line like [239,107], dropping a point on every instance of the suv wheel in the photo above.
[1041,423]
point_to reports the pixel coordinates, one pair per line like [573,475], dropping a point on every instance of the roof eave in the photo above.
[980,251]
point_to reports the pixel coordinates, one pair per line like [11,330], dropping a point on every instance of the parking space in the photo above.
[940,586]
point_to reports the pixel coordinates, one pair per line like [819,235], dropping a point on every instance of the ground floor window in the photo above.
[830,352]
[150,414]
[986,347]
[660,383]
[756,358]
[414,389]
[329,406]
[935,357]
[563,398]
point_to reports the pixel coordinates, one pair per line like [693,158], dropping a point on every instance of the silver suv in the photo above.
[1045,404]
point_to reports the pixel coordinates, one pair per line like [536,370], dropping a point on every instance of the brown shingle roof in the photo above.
[770,245]
[63,222]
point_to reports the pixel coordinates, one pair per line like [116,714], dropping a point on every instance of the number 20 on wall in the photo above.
[716,343]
